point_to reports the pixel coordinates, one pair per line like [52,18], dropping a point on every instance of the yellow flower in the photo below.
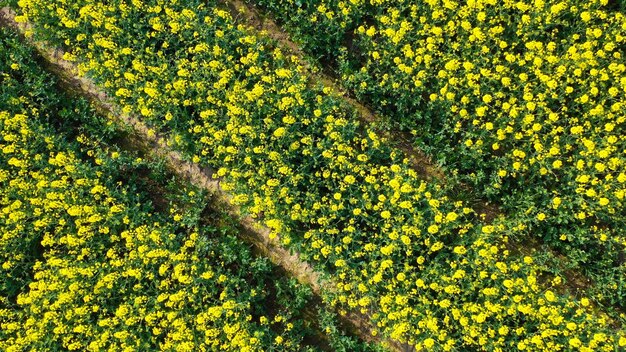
[503,330]
[279,132]
[575,342]
[460,250]
[437,246]
[429,342]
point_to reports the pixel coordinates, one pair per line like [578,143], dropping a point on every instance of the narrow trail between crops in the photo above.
[251,230]
[422,164]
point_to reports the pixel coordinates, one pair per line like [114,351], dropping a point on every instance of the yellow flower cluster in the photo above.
[148,289]
[425,267]
[86,264]
[523,100]
[531,91]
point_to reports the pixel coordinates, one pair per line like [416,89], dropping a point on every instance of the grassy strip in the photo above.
[103,267]
[370,207]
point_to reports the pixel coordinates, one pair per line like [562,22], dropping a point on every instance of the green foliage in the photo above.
[427,268]
[89,261]
[520,101]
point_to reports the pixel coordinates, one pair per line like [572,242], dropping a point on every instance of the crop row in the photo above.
[422,265]
[524,101]
[90,260]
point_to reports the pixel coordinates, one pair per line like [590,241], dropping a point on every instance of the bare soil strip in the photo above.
[252,231]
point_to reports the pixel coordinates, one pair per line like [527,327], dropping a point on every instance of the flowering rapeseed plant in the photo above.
[523,100]
[425,268]
[87,263]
